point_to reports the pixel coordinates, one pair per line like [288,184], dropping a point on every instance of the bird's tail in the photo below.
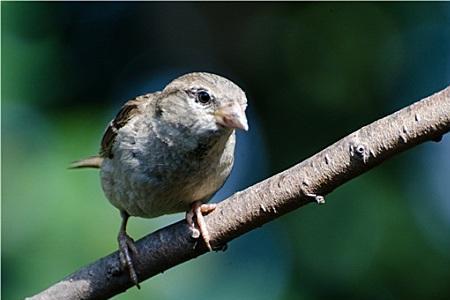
[88,162]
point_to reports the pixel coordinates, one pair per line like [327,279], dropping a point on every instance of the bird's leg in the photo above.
[126,248]
[198,209]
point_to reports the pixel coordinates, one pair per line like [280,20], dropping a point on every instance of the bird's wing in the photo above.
[123,116]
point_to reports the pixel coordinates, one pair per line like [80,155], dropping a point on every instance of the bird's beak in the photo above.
[232,116]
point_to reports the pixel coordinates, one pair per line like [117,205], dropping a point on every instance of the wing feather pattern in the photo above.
[125,114]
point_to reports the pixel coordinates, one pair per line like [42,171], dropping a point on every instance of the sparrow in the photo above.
[170,151]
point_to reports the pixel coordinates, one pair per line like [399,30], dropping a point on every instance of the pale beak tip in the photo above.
[235,122]
[244,126]
[232,117]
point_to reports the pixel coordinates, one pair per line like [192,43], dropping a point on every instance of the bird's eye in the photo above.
[203,97]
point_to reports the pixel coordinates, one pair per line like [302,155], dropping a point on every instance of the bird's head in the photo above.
[204,102]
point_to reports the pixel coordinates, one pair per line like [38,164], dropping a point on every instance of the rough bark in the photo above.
[303,183]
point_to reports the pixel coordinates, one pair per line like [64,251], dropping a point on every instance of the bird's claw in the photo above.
[198,210]
[318,198]
[126,249]
[195,233]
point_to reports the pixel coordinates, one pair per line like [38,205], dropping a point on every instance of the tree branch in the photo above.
[305,182]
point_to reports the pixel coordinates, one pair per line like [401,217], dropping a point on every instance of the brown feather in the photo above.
[123,116]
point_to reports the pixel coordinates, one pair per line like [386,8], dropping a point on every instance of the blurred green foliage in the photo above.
[313,72]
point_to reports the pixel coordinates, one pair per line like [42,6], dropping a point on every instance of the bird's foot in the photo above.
[198,210]
[126,249]
[318,198]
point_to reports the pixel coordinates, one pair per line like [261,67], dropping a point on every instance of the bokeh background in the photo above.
[314,72]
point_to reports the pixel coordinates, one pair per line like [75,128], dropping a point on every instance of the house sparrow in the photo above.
[169,152]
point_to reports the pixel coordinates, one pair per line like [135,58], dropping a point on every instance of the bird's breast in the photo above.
[153,178]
